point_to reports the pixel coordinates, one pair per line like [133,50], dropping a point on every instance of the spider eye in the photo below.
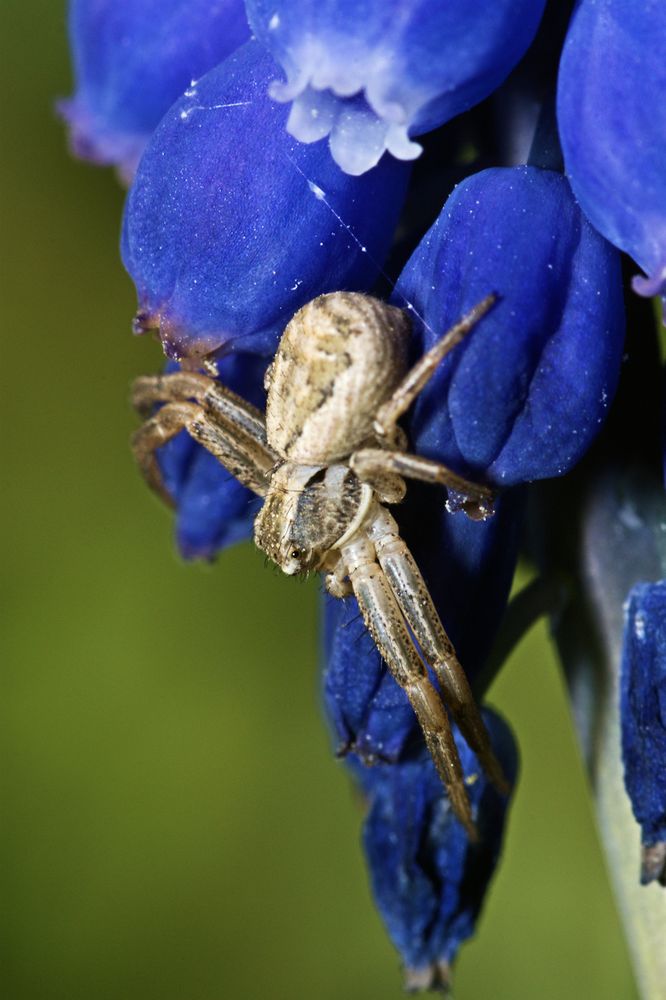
[295,553]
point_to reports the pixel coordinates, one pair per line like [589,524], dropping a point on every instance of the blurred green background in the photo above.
[176,827]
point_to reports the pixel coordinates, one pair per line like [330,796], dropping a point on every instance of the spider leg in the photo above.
[387,627]
[369,463]
[245,457]
[215,399]
[147,390]
[416,604]
[416,378]
[161,428]
[389,486]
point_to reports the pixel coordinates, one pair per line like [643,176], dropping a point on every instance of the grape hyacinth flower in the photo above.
[371,77]
[612,119]
[643,694]
[132,60]
[527,388]
[231,225]
[429,881]
[239,214]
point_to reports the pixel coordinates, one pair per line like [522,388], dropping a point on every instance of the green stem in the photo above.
[622,540]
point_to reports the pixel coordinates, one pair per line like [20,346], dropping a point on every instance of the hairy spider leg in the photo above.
[385,622]
[416,378]
[179,387]
[228,430]
[370,463]
[211,395]
[416,604]
[152,435]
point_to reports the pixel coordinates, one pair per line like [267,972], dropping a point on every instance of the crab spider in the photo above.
[326,457]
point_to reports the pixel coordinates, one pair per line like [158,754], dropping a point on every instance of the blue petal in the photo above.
[231,225]
[366,709]
[525,394]
[428,880]
[643,714]
[468,566]
[372,74]
[213,509]
[612,118]
[132,60]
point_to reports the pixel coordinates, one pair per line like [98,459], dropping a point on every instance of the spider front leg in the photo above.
[384,621]
[417,606]
[370,463]
[228,427]
[403,396]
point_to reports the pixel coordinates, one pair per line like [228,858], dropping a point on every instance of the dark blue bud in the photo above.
[132,59]
[372,75]
[213,509]
[468,567]
[428,879]
[612,119]
[643,717]
[231,225]
[527,391]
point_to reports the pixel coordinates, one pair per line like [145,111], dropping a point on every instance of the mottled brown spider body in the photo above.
[339,359]
[326,458]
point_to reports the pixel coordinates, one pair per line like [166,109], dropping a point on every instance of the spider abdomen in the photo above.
[339,358]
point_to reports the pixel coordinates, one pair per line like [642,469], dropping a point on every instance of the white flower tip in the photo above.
[284,91]
[358,140]
[358,135]
[357,146]
[312,115]
[400,145]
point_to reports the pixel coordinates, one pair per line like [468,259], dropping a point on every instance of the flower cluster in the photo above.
[272,168]
[644,715]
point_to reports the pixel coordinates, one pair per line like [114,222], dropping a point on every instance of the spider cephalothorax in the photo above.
[307,510]
[326,458]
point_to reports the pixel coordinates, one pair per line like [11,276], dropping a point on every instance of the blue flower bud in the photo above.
[231,225]
[428,879]
[372,75]
[213,509]
[527,391]
[468,566]
[643,716]
[132,59]
[612,119]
